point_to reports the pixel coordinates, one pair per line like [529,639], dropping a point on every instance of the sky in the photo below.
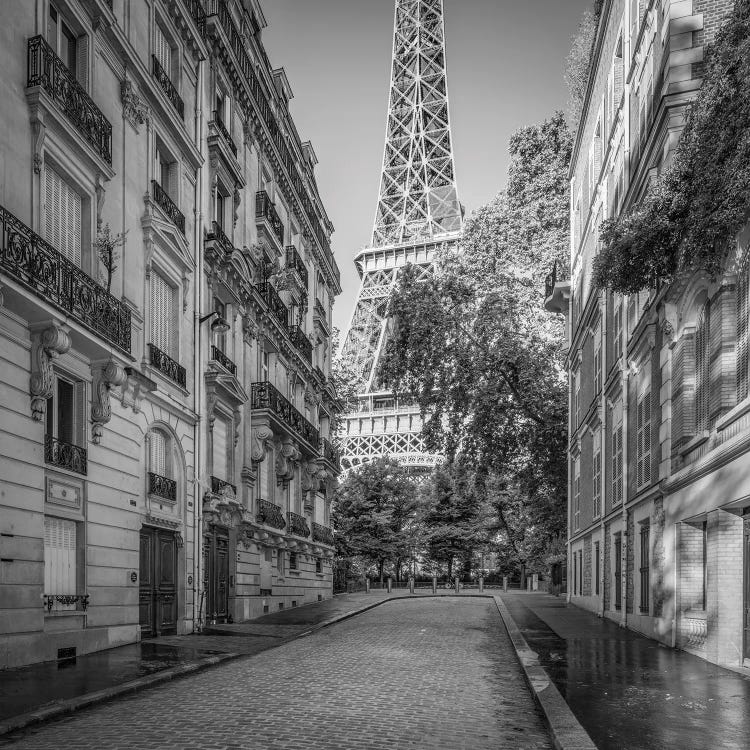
[505,63]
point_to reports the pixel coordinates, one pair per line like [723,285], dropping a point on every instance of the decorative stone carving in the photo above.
[211,399]
[40,131]
[287,458]
[136,111]
[101,409]
[245,536]
[250,329]
[48,346]
[237,424]
[134,388]
[248,476]
[262,440]
[236,201]
[223,509]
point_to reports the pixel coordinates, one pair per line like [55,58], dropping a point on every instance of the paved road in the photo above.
[431,673]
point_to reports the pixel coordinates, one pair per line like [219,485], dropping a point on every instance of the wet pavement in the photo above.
[628,691]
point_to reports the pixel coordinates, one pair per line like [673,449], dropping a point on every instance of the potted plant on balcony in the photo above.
[106,246]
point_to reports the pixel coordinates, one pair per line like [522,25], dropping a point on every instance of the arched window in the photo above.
[702,370]
[161,480]
[743,292]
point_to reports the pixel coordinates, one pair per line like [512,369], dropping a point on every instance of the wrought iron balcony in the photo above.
[66,600]
[47,70]
[330,453]
[301,342]
[556,291]
[162,487]
[198,14]
[217,235]
[221,128]
[295,262]
[66,456]
[218,485]
[167,205]
[320,374]
[270,514]
[275,304]
[264,209]
[166,365]
[322,534]
[298,524]
[167,86]
[223,360]
[31,261]
[265,396]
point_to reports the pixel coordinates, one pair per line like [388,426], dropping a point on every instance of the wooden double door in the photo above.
[216,574]
[158,582]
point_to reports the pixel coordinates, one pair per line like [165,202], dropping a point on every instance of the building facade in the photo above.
[164,452]
[659,498]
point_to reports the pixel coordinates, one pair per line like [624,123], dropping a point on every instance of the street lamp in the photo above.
[219,325]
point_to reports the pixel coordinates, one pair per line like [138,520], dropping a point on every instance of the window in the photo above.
[743,296]
[596,568]
[616,468]
[220,337]
[65,411]
[618,571]
[165,171]
[577,494]
[644,567]
[60,548]
[702,370]
[67,45]
[576,399]
[224,109]
[163,50]
[598,359]
[158,453]
[618,72]
[62,212]
[280,562]
[220,449]
[580,572]
[220,205]
[575,573]
[318,565]
[163,323]
[292,561]
[704,539]
[643,437]
[617,328]
[597,478]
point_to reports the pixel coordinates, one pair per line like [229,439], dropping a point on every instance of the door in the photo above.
[158,579]
[266,571]
[746,546]
[216,574]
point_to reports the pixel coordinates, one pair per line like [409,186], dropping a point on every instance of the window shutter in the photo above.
[79,414]
[62,216]
[647,437]
[743,287]
[163,315]
[702,370]
[158,451]
[619,464]
[60,557]
[220,449]
[163,51]
[618,79]
[172,187]
[82,61]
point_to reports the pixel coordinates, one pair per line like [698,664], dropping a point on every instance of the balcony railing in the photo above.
[264,209]
[218,485]
[270,514]
[320,373]
[275,304]
[550,281]
[198,14]
[223,360]
[266,396]
[47,70]
[219,125]
[297,335]
[162,487]
[322,534]
[294,261]
[330,453]
[167,86]
[320,312]
[66,601]
[166,365]
[64,455]
[298,524]
[167,205]
[31,261]
[217,235]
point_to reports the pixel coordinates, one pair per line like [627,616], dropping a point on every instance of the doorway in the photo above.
[746,603]
[216,574]
[158,582]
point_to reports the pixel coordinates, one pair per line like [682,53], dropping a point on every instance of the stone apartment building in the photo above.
[164,432]
[659,487]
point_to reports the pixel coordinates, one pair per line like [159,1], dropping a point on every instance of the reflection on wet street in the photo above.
[628,691]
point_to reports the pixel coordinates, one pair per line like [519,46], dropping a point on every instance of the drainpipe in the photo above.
[626,375]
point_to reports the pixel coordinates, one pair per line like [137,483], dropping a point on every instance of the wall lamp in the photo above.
[219,325]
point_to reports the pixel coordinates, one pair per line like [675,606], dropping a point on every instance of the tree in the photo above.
[371,514]
[106,245]
[483,358]
[578,61]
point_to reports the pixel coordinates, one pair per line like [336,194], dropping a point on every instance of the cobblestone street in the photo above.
[432,673]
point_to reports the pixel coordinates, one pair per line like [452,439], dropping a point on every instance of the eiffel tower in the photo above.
[418,213]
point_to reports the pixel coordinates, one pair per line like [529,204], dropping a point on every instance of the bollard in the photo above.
[505,583]
[434,584]
[458,586]
[390,584]
[481,584]
[367,585]
[411,585]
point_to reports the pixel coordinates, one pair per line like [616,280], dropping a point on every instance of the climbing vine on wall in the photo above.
[691,215]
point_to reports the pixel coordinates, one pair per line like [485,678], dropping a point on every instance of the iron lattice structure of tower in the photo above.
[418,213]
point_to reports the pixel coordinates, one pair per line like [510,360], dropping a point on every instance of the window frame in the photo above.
[172,347]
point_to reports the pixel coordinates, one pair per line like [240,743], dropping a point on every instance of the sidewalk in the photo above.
[628,691]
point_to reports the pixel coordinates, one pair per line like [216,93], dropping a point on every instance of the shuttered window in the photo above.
[597,481]
[163,315]
[62,213]
[643,418]
[60,558]
[577,494]
[158,451]
[220,448]
[743,289]
[702,370]
[598,359]
[163,51]
[617,464]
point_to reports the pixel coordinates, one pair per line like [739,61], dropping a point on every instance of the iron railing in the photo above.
[264,395]
[217,235]
[238,46]
[298,524]
[47,70]
[295,262]
[66,600]
[223,360]
[301,342]
[167,205]
[320,311]
[166,365]
[219,125]
[217,485]
[270,514]
[65,455]
[275,304]
[198,14]
[31,261]
[264,209]
[320,373]
[550,281]
[330,453]
[322,534]
[167,86]
[162,487]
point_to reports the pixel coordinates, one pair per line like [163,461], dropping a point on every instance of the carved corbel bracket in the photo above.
[39,129]
[262,440]
[136,384]
[135,110]
[48,346]
[237,425]
[211,399]
[105,377]
[250,329]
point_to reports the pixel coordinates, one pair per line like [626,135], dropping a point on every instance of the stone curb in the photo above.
[566,731]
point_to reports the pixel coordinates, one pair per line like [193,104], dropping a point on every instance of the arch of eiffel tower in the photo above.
[418,213]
